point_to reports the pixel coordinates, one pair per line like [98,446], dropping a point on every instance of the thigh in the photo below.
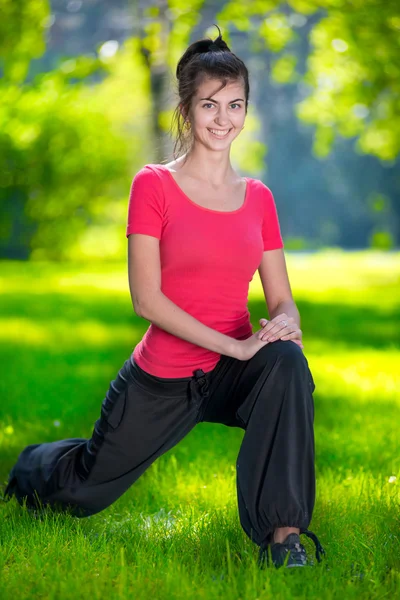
[234,384]
[141,417]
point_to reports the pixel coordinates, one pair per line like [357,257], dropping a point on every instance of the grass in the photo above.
[65,330]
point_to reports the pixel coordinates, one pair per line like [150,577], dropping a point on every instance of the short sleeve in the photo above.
[271,231]
[146,204]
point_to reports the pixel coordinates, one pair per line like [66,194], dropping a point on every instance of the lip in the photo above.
[222,137]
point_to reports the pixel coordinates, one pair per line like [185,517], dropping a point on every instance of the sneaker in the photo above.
[291,552]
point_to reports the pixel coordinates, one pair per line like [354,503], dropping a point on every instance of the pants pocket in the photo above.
[114,404]
[113,407]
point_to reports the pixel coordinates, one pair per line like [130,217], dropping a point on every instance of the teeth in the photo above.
[219,133]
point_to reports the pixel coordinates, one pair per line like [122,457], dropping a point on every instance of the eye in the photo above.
[236,104]
[208,104]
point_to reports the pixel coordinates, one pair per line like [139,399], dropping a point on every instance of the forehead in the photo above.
[207,88]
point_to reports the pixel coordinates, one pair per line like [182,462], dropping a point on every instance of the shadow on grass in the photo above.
[349,324]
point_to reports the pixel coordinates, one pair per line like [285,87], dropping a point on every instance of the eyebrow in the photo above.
[216,101]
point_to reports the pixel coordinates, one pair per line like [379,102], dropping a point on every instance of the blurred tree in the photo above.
[71,138]
[21,36]
[354,70]
[353,67]
[64,153]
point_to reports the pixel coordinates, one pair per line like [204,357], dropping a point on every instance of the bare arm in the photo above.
[275,281]
[150,303]
[164,313]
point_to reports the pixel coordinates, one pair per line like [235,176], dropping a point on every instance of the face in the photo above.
[217,118]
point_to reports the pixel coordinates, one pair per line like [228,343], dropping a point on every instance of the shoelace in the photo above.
[319,550]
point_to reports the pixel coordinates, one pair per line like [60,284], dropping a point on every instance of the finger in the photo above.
[276,332]
[274,326]
[277,335]
[281,321]
[293,335]
[265,332]
[264,322]
[277,326]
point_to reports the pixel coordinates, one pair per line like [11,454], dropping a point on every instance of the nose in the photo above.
[221,118]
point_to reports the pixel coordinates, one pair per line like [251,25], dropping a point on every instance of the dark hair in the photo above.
[205,58]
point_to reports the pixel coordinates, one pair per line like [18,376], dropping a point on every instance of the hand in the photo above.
[246,349]
[277,330]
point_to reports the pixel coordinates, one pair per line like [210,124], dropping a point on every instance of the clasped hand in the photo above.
[280,327]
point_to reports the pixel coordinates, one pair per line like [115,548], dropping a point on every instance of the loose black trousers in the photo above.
[143,416]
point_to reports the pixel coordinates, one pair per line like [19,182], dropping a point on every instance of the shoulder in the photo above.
[147,186]
[260,188]
[149,181]
[258,184]
[149,173]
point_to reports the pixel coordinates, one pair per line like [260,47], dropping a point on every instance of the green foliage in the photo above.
[283,69]
[353,68]
[276,31]
[354,72]
[64,149]
[71,139]
[23,24]
[382,240]
[58,158]
[182,18]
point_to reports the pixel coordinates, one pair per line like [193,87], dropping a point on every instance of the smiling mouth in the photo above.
[221,134]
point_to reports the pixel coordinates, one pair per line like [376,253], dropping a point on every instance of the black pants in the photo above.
[142,416]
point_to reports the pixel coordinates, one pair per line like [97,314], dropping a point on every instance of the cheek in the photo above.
[203,119]
[239,118]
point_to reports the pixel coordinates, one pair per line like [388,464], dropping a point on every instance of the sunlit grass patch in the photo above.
[61,331]
[367,375]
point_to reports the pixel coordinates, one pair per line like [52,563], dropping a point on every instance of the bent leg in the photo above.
[275,465]
[270,397]
[141,418]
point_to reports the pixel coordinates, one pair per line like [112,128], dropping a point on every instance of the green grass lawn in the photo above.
[65,331]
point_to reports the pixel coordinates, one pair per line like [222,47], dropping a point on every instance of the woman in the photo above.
[197,232]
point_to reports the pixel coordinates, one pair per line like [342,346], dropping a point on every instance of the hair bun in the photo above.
[202,47]
[219,43]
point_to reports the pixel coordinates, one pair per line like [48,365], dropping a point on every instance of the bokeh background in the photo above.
[88,88]
[87,92]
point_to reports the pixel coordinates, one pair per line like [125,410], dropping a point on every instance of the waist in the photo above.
[165,355]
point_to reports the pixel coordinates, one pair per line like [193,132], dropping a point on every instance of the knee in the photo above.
[291,360]
[290,357]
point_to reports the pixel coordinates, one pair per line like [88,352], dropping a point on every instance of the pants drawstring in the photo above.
[199,390]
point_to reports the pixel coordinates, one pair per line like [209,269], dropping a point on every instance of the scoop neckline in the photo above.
[219,212]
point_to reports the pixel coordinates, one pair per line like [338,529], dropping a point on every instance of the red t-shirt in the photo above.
[208,259]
